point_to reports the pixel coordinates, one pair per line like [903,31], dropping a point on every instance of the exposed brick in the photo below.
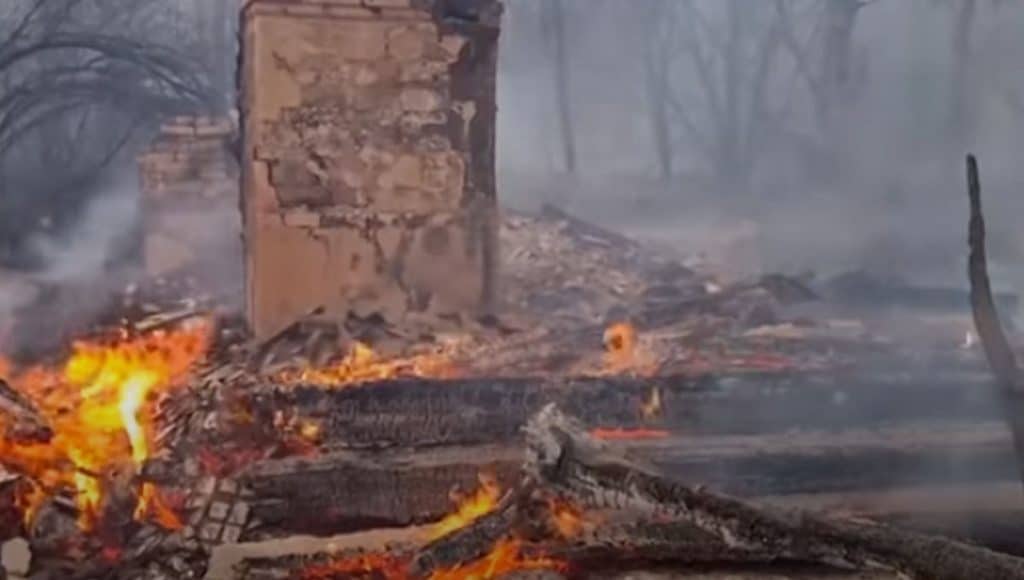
[369,143]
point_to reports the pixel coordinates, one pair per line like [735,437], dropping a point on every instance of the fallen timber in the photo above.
[424,413]
[562,458]
[348,489]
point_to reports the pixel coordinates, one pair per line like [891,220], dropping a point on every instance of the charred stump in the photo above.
[986,319]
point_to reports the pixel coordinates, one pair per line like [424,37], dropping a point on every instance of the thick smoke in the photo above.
[79,269]
[891,198]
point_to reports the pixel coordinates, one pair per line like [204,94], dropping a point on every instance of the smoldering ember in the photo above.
[328,347]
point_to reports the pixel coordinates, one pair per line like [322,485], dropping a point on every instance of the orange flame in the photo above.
[507,556]
[623,353]
[99,408]
[618,434]
[478,504]
[381,565]
[363,365]
[566,518]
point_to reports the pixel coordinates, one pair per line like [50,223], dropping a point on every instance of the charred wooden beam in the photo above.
[423,413]
[348,491]
[1000,356]
[823,461]
[344,490]
[625,545]
[562,456]
[474,541]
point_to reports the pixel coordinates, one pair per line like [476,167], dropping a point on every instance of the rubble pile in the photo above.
[221,461]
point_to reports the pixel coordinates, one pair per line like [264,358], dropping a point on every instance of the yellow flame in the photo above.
[97,406]
[476,505]
[363,365]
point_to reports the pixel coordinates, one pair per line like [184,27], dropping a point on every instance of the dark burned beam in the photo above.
[563,457]
[348,491]
[423,413]
[474,541]
[822,461]
[351,489]
[986,319]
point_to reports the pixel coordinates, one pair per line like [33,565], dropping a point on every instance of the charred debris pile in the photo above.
[626,413]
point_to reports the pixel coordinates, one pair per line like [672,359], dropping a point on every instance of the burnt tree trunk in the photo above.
[986,319]
[556,21]
[961,120]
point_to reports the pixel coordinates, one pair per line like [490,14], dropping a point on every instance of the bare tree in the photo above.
[961,123]
[825,61]
[553,20]
[73,94]
[659,58]
[730,53]
[219,19]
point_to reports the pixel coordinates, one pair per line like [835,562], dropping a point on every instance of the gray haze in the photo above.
[877,182]
[791,135]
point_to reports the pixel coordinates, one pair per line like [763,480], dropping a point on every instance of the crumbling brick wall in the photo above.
[368,162]
[189,177]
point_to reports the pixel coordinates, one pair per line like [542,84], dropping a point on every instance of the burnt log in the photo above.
[345,490]
[423,413]
[563,457]
[473,542]
[348,491]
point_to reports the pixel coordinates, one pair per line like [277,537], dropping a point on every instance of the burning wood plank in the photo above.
[349,490]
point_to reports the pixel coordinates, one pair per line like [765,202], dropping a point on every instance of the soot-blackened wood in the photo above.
[423,413]
[474,541]
[825,461]
[626,545]
[986,319]
[345,491]
[561,455]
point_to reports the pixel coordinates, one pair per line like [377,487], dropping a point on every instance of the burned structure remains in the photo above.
[368,163]
[187,174]
[365,422]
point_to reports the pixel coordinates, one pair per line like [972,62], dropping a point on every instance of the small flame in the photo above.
[310,431]
[154,506]
[566,518]
[381,566]
[363,365]
[623,353]
[507,556]
[651,408]
[478,504]
[617,434]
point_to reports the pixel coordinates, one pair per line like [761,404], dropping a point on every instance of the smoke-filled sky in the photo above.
[878,184]
[783,134]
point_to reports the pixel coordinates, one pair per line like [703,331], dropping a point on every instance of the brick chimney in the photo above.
[368,170]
